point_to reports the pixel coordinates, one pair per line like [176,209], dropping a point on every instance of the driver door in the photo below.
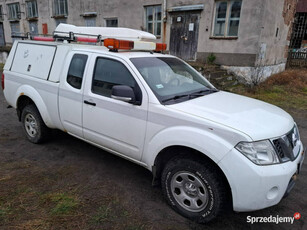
[118,126]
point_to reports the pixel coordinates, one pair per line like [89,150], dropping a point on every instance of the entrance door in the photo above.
[2,41]
[33,28]
[184,35]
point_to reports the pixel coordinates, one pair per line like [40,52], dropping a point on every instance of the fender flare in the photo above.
[31,92]
[206,142]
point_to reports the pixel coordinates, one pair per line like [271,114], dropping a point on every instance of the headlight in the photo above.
[260,152]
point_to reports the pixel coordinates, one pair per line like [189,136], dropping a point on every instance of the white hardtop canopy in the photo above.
[105,32]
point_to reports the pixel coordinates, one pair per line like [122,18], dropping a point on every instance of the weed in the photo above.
[211,58]
[103,214]
[4,212]
[136,227]
[63,203]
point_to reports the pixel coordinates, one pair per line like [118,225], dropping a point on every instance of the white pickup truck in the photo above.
[208,148]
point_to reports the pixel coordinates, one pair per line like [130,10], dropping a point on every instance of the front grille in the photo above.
[286,146]
[278,148]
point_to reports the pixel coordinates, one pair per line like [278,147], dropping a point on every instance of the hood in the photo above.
[255,118]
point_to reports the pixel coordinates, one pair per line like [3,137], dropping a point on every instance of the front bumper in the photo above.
[256,187]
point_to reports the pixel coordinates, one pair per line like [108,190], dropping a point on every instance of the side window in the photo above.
[108,73]
[76,70]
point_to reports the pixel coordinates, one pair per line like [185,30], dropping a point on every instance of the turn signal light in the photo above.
[118,44]
[160,47]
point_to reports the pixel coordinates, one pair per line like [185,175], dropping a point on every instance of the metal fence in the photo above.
[297,59]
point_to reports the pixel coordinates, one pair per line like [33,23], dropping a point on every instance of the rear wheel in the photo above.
[194,189]
[33,124]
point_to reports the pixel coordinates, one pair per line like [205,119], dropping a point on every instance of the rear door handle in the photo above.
[89,103]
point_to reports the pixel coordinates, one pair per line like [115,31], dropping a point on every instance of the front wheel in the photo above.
[33,124]
[194,189]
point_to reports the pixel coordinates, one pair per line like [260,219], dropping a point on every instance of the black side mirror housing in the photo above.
[123,93]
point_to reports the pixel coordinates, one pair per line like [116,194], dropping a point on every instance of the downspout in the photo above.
[164,22]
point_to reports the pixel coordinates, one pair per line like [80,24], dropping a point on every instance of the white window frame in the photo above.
[227,19]
[13,11]
[154,20]
[57,9]
[32,11]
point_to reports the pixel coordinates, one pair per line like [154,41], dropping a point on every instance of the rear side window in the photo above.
[76,70]
[108,73]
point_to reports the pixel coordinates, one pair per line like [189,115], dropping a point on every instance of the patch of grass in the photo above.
[103,213]
[112,211]
[4,212]
[287,90]
[136,227]
[62,203]
[34,224]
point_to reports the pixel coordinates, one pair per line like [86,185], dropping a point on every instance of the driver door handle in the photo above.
[89,103]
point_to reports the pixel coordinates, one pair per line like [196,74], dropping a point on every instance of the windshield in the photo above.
[171,79]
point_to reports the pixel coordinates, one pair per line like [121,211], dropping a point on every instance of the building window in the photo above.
[1,13]
[111,22]
[15,29]
[14,11]
[60,8]
[153,19]
[58,21]
[32,9]
[227,18]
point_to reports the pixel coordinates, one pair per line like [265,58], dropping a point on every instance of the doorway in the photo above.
[184,35]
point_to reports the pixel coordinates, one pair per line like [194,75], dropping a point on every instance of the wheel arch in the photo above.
[28,95]
[170,152]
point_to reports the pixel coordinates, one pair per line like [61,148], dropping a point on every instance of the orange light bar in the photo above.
[44,39]
[118,44]
[160,46]
[82,39]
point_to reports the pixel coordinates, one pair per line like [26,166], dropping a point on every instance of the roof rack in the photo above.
[109,41]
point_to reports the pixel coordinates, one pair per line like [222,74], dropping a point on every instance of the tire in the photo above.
[33,125]
[194,189]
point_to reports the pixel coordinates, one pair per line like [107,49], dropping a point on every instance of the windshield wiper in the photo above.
[190,95]
[176,97]
[213,90]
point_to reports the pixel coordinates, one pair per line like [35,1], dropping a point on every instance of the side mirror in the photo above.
[123,93]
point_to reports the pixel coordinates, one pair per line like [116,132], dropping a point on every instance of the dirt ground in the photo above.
[68,184]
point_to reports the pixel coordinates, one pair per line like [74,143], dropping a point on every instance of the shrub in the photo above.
[211,58]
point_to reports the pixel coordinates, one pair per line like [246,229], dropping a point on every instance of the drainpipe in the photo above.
[164,22]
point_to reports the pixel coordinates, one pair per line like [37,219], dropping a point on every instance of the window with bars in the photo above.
[13,11]
[154,19]
[60,8]
[32,9]
[227,18]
